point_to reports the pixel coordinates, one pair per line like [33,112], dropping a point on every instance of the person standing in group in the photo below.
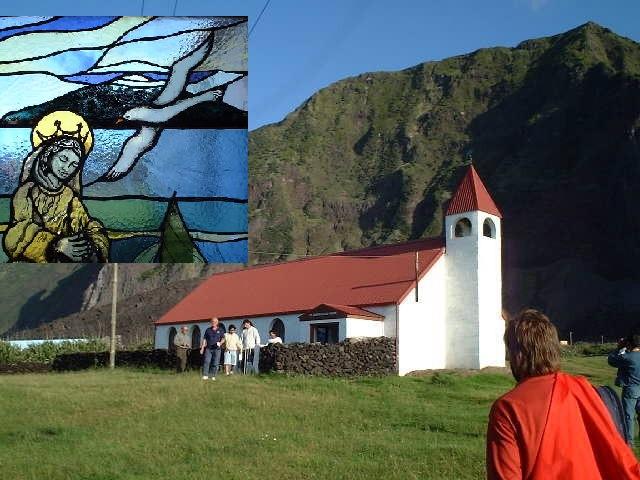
[232,346]
[626,358]
[273,337]
[182,343]
[210,347]
[251,346]
[551,425]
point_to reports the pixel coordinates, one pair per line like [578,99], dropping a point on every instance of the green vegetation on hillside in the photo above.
[553,128]
[46,352]
[132,424]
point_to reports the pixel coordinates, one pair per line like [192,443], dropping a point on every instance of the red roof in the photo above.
[472,195]
[345,310]
[371,276]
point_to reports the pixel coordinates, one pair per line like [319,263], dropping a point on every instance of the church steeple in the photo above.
[474,277]
[471,196]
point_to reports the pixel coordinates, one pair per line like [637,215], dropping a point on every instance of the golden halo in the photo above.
[62,122]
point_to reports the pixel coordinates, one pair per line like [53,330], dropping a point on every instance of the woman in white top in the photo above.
[273,337]
[232,345]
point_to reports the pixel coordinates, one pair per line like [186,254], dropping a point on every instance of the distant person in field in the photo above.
[551,425]
[210,348]
[251,346]
[626,358]
[182,342]
[232,347]
[273,337]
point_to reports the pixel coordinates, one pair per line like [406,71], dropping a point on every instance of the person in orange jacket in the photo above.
[551,425]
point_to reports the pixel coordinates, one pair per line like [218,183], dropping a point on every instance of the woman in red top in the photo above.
[551,425]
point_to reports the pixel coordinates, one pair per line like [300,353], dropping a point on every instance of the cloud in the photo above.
[165,26]
[163,52]
[64,63]
[22,91]
[42,44]
[212,82]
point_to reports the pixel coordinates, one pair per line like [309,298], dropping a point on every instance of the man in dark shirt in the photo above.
[210,347]
[627,360]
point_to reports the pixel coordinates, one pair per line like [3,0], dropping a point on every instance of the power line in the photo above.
[259,16]
[175,7]
[142,9]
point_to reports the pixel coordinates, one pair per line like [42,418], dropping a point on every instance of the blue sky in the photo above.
[301,46]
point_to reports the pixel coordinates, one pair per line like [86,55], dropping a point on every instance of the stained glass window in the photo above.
[123,139]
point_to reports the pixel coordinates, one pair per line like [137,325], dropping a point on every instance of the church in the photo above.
[440,298]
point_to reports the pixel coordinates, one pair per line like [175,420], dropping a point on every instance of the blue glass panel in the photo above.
[229,252]
[61,24]
[192,163]
[93,79]
[212,216]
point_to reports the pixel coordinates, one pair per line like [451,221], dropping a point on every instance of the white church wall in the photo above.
[162,336]
[162,333]
[491,330]
[421,329]
[362,327]
[389,314]
[462,302]
[292,327]
[297,331]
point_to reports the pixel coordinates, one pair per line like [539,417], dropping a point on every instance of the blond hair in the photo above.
[533,345]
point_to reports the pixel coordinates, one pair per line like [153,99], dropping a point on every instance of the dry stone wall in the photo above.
[353,357]
[135,358]
[24,367]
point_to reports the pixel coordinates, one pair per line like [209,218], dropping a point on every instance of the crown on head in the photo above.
[60,132]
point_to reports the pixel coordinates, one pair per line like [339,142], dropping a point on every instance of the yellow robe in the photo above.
[39,218]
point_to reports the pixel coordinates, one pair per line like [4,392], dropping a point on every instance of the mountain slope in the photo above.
[33,297]
[29,296]
[136,314]
[553,128]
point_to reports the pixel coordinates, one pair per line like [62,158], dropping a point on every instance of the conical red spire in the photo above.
[472,195]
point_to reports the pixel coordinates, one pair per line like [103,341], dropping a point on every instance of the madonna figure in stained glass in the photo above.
[49,222]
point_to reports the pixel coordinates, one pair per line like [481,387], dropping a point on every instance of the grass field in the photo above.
[131,424]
